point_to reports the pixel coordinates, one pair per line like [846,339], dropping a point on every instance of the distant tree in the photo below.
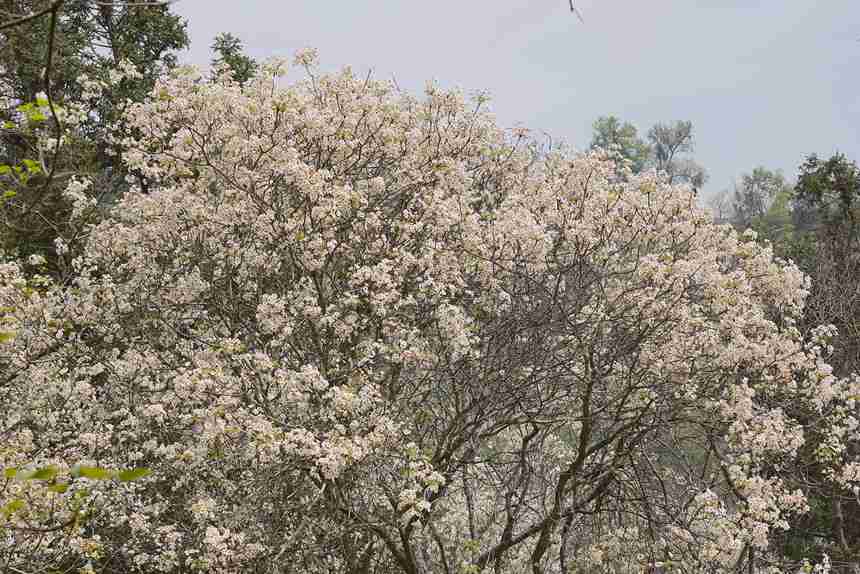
[827,196]
[720,205]
[829,191]
[609,133]
[231,56]
[755,194]
[668,142]
[664,149]
[777,224]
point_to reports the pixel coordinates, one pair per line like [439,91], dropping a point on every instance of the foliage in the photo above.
[831,190]
[230,56]
[663,151]
[761,199]
[92,39]
[95,48]
[825,206]
[667,142]
[48,203]
[611,134]
[353,331]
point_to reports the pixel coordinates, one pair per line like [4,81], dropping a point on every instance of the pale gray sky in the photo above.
[764,82]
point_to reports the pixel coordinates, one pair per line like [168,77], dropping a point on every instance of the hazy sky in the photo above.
[765,82]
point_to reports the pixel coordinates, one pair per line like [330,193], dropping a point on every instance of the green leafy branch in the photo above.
[49,476]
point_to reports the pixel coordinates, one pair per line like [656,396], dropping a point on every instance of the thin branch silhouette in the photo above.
[575,11]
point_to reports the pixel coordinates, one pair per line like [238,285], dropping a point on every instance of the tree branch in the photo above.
[575,11]
[52,7]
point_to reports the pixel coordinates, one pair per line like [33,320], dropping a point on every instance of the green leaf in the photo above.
[46,473]
[5,337]
[133,474]
[4,169]
[59,487]
[92,472]
[32,166]
[10,472]
[12,507]
[9,194]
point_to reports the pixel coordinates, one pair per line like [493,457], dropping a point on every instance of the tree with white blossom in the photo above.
[350,330]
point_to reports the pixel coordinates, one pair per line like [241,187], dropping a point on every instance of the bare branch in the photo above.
[575,11]
[49,61]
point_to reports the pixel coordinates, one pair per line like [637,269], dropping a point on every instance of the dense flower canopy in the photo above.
[349,330]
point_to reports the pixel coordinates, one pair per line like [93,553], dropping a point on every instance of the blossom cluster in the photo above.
[352,330]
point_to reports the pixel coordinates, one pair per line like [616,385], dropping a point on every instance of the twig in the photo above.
[49,61]
[575,11]
[63,526]
[53,7]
